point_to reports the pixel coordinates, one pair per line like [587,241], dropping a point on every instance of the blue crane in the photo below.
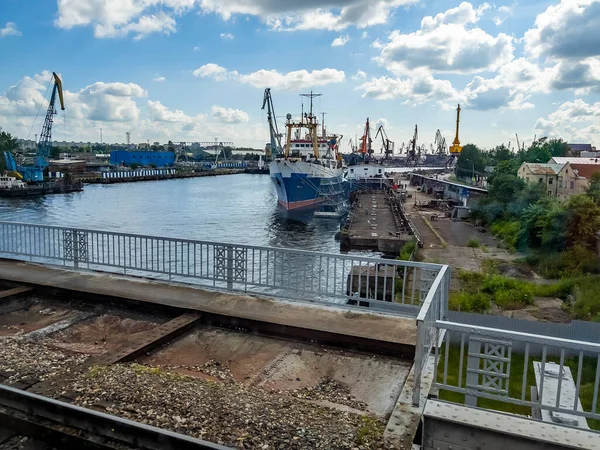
[35,173]
[274,133]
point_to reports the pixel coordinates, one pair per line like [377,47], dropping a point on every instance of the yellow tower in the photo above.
[456,148]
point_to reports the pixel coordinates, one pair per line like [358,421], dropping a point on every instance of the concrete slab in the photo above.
[395,331]
[33,317]
[373,383]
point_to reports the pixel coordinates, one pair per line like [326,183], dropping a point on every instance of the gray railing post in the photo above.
[419,350]
[75,249]
[230,264]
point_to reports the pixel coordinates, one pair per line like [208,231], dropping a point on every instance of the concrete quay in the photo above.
[376,223]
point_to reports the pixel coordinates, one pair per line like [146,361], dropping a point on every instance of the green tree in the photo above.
[593,189]
[584,221]
[506,188]
[170,146]
[501,153]
[7,144]
[471,162]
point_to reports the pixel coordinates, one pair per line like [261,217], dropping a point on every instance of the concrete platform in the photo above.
[392,335]
[373,225]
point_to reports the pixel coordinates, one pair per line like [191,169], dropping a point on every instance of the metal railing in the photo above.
[549,378]
[390,285]
[434,308]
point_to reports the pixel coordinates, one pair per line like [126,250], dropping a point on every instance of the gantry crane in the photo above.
[365,142]
[388,146]
[35,173]
[274,133]
[440,142]
[414,153]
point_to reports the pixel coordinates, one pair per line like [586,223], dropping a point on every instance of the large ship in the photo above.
[308,170]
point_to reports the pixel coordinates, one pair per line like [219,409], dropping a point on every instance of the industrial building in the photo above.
[544,174]
[143,158]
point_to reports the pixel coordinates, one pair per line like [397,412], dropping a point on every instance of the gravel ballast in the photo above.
[23,360]
[228,413]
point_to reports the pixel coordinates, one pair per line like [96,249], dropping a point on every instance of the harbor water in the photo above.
[238,208]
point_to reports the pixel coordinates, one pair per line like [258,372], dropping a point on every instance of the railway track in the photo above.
[64,426]
[47,406]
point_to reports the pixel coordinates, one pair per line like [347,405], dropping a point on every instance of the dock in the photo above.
[376,222]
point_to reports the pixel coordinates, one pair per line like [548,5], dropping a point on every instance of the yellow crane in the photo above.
[456,148]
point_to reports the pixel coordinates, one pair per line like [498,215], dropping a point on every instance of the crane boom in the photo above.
[35,172]
[273,129]
[388,146]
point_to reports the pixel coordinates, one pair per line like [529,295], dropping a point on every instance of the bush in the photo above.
[463,301]
[473,243]
[587,298]
[508,231]
[407,250]
[512,298]
[561,289]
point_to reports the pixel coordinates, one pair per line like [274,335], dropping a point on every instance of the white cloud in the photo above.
[502,13]
[364,35]
[227,36]
[510,88]
[117,109]
[446,43]
[160,113]
[296,80]
[382,122]
[567,36]
[197,48]
[119,18]
[340,41]
[420,88]
[229,115]
[359,75]
[211,70]
[573,121]
[159,79]
[25,97]
[568,30]
[10,29]
[334,15]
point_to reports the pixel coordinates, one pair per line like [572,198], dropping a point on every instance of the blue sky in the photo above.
[189,70]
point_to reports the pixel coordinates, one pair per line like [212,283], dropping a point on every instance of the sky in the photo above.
[196,70]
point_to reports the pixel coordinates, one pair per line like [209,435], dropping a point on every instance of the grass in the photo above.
[408,250]
[517,366]
[370,430]
[473,243]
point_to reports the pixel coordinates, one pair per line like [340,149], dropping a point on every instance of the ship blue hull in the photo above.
[301,191]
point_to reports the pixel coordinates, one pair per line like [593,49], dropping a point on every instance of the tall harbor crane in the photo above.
[388,146]
[414,153]
[274,133]
[35,173]
[365,141]
[455,148]
[440,142]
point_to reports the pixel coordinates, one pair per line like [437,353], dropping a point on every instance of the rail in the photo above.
[42,409]
[391,285]
[434,308]
[496,368]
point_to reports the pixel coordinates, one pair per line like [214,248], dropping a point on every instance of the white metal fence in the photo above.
[531,374]
[390,285]
[434,308]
